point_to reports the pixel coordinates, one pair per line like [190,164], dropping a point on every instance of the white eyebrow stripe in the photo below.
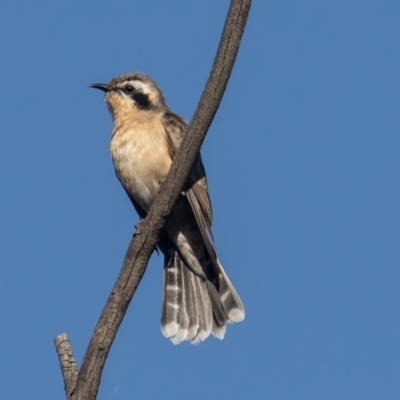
[144,87]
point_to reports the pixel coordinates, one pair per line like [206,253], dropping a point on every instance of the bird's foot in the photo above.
[137,227]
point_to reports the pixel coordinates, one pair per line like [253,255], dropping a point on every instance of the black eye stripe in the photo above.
[142,100]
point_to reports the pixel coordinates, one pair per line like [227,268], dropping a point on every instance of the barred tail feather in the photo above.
[200,306]
[193,308]
[186,311]
[229,298]
[172,298]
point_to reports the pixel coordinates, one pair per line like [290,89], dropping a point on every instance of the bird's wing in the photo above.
[176,127]
[196,190]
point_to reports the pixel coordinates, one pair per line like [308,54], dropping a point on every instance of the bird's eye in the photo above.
[128,89]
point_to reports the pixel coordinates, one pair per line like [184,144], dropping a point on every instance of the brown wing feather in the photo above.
[197,190]
[175,127]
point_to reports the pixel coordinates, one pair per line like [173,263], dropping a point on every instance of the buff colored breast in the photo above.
[141,158]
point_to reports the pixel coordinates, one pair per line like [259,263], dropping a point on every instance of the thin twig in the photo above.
[67,363]
[145,240]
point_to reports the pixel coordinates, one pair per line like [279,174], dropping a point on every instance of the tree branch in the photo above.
[146,237]
[67,363]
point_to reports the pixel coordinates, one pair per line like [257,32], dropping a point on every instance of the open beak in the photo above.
[100,86]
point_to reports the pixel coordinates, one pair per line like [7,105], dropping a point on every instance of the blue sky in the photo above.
[303,165]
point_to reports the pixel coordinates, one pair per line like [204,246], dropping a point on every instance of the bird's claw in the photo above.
[137,227]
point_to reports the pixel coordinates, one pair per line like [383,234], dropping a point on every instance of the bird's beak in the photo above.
[100,86]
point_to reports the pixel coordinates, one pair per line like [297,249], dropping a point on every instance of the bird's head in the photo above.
[132,92]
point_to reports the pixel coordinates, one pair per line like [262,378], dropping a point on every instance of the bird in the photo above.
[198,297]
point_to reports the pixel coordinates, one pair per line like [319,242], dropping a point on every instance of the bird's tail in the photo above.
[194,307]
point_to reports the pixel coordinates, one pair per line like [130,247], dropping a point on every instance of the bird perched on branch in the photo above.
[198,297]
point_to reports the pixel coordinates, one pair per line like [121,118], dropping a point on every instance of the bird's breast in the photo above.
[141,159]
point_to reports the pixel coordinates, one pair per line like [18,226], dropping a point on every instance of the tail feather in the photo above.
[230,299]
[220,316]
[172,298]
[197,323]
[199,297]
[193,308]
[186,311]
[218,331]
